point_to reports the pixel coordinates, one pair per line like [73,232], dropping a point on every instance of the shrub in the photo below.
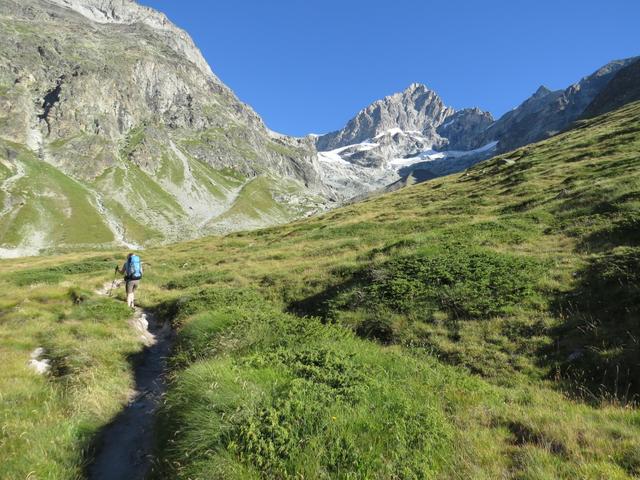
[469,283]
[52,275]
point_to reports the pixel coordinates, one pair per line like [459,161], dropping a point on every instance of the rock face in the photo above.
[117,112]
[127,12]
[546,113]
[623,88]
[465,128]
[417,109]
[378,146]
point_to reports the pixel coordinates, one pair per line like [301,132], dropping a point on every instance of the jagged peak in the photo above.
[409,94]
[542,91]
[415,86]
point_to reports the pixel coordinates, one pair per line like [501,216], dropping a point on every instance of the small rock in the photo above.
[38,352]
[39,366]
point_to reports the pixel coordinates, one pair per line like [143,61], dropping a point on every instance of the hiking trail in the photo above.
[124,447]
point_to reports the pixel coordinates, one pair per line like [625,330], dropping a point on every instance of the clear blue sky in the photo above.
[308,65]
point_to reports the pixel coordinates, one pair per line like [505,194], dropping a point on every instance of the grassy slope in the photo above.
[149,209]
[502,305]
[491,271]
[50,203]
[49,422]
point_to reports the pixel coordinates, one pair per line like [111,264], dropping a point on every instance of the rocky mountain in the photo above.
[463,130]
[417,109]
[380,144]
[413,136]
[114,130]
[548,112]
[623,88]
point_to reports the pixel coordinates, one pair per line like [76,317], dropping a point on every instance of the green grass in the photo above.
[231,138]
[133,230]
[135,137]
[482,325]
[285,150]
[62,142]
[171,168]
[51,203]
[254,201]
[289,394]
[215,180]
[48,423]
[143,194]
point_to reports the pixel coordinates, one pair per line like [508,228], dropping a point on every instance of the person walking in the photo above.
[132,271]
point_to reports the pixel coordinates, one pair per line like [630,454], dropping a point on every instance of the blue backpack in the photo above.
[134,268]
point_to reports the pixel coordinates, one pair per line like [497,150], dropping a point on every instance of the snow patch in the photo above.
[391,132]
[430,155]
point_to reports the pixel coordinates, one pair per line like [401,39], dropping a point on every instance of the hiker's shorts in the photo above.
[132,285]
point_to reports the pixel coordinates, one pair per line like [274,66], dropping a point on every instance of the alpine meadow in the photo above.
[427,293]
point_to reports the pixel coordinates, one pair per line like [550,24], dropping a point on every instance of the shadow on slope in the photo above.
[598,344]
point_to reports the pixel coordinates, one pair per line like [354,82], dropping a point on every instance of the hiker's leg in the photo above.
[129,289]
[133,286]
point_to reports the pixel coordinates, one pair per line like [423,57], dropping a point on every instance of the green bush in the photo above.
[52,275]
[197,279]
[467,283]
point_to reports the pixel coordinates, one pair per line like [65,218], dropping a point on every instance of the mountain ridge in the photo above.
[413,130]
[123,106]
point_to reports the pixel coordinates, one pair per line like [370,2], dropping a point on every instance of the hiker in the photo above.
[132,270]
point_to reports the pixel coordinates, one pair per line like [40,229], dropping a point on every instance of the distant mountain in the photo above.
[463,130]
[412,135]
[417,109]
[409,127]
[623,88]
[114,130]
[548,112]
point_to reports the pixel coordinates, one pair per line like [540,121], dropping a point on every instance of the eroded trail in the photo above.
[124,447]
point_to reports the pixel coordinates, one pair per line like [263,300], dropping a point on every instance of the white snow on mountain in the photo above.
[342,170]
[430,155]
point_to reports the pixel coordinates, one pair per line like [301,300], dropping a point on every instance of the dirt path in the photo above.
[124,447]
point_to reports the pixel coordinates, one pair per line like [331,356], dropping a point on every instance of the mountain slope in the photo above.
[412,135]
[481,325]
[623,88]
[546,113]
[114,97]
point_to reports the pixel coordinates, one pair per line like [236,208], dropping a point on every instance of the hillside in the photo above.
[110,117]
[481,325]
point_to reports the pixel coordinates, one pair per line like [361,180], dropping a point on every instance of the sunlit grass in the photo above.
[508,299]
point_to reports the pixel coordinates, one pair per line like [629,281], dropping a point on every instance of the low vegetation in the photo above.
[482,325]
[48,422]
